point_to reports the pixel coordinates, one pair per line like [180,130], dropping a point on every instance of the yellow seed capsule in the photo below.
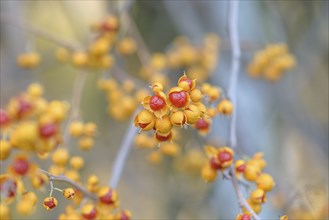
[90,129]
[28,60]
[60,156]
[62,54]
[196,95]
[144,120]
[126,46]
[56,170]
[170,149]
[284,217]
[107,62]
[141,94]
[178,118]
[206,88]
[30,197]
[76,162]
[35,90]
[213,94]
[24,207]
[157,87]
[258,196]
[163,125]
[80,59]
[208,174]
[57,110]
[99,47]
[225,107]
[192,113]
[86,143]
[4,149]
[68,193]
[89,211]
[158,61]
[50,203]
[128,85]
[265,182]
[93,180]
[73,175]
[4,211]
[25,136]
[251,172]
[154,157]
[76,129]
[255,207]
[212,112]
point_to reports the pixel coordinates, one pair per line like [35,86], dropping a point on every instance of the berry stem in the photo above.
[235,44]
[62,178]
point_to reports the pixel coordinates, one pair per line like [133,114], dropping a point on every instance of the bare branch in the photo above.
[65,179]
[235,44]
[123,153]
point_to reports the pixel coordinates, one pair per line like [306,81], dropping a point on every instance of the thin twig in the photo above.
[235,44]
[39,32]
[75,102]
[62,178]
[123,153]
[142,50]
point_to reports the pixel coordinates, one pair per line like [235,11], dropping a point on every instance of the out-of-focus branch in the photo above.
[123,153]
[65,179]
[75,103]
[39,32]
[142,50]
[235,44]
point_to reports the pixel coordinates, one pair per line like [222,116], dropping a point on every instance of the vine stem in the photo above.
[62,178]
[123,153]
[235,65]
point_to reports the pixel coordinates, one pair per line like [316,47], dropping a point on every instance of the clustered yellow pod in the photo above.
[219,159]
[122,100]
[271,62]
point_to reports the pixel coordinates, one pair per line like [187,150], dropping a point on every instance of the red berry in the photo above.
[224,156]
[245,217]
[214,164]
[23,108]
[202,124]
[178,99]
[21,166]
[107,198]
[47,130]
[157,103]
[124,216]
[163,138]
[4,118]
[50,203]
[241,168]
[91,215]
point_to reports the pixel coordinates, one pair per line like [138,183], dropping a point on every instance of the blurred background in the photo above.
[287,120]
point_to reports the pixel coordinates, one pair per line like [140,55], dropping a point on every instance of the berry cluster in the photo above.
[181,106]
[198,61]
[86,133]
[122,99]
[271,62]
[220,159]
